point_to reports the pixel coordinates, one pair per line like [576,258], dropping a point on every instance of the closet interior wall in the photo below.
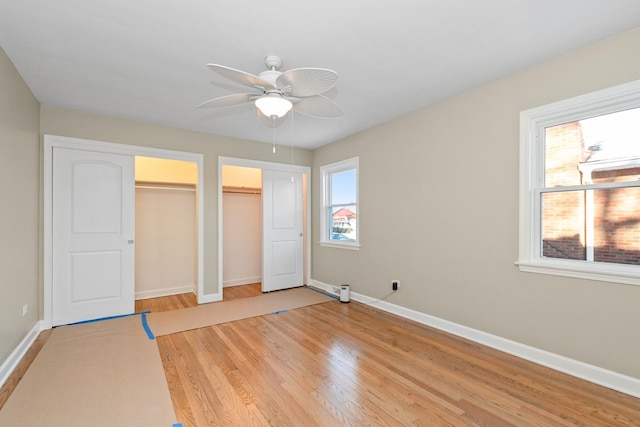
[166,222]
[242,235]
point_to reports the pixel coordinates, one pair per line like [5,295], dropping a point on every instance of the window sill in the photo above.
[625,274]
[349,246]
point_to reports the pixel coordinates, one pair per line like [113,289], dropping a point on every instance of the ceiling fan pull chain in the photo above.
[273,133]
[292,134]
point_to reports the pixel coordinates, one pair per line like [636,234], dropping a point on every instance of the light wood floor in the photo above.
[347,364]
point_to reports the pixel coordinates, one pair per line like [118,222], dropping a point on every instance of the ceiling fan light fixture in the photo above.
[273,105]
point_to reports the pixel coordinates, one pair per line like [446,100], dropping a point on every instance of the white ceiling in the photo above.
[146,59]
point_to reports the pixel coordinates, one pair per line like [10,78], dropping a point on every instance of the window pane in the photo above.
[342,223]
[563,225]
[599,149]
[593,225]
[617,225]
[340,203]
[563,153]
[343,187]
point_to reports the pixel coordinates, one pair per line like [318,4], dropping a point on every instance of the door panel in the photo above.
[282,230]
[93,232]
[95,275]
[284,207]
[285,257]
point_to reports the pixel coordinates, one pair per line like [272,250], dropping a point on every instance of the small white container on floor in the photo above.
[345,293]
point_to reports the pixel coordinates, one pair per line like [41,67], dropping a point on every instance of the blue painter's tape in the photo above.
[177,425]
[146,327]
[279,311]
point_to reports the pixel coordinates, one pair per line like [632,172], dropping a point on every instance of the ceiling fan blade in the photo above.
[318,106]
[269,121]
[240,76]
[307,81]
[229,100]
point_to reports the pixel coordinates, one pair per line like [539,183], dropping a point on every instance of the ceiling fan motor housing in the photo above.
[271,76]
[273,62]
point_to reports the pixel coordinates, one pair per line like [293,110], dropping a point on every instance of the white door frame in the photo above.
[258,164]
[51,141]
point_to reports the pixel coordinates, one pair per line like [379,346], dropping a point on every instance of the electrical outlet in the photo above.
[24,310]
[395,285]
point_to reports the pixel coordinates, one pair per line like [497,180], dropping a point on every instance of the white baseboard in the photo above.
[240,282]
[155,293]
[6,369]
[616,381]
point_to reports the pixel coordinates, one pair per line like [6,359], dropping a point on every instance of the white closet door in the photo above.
[282,215]
[93,232]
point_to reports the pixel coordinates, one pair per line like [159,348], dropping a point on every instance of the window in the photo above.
[340,204]
[580,186]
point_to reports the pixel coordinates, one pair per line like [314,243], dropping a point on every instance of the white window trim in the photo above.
[532,125]
[325,171]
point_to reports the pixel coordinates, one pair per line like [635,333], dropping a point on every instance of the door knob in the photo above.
[130,242]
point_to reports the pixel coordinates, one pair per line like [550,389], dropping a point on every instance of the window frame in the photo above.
[533,123]
[326,172]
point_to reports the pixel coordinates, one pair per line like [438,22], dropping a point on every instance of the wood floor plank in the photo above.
[343,387]
[242,291]
[380,396]
[237,408]
[193,380]
[167,303]
[178,395]
[259,377]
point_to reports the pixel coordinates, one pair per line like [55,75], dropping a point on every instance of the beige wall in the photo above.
[57,121]
[439,212]
[19,211]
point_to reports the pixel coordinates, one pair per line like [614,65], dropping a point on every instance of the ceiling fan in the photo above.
[277,93]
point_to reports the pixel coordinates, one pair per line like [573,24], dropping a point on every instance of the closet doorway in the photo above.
[249,247]
[241,225]
[165,224]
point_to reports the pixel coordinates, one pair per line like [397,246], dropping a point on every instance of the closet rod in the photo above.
[165,186]
[241,190]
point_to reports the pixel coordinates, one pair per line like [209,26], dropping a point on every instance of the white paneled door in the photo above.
[93,235]
[282,253]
